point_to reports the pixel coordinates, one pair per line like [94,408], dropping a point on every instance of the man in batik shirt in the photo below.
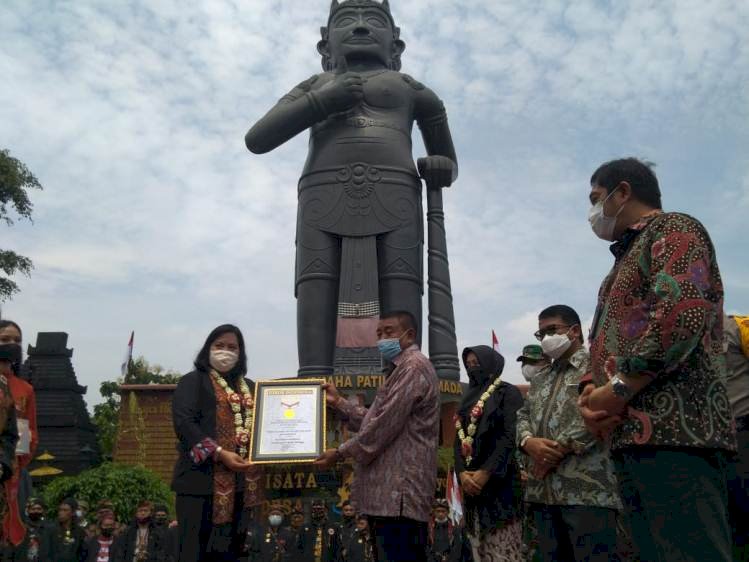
[571,491]
[395,449]
[657,365]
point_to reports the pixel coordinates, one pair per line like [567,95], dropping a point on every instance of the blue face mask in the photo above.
[389,348]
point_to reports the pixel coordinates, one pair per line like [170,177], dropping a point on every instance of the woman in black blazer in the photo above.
[485,457]
[213,480]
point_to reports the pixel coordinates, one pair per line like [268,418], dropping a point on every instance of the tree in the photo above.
[106,414]
[122,484]
[15,180]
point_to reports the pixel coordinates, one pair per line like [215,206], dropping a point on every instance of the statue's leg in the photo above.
[400,263]
[318,258]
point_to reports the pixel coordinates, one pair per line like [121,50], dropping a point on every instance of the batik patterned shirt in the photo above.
[395,449]
[585,476]
[660,315]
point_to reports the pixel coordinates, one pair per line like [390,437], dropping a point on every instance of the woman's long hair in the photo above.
[203,359]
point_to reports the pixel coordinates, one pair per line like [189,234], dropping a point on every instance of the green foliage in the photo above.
[106,414]
[124,485]
[15,180]
[445,458]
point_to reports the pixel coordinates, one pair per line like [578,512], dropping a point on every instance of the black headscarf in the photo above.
[492,364]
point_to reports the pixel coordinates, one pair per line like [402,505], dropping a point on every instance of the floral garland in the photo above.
[242,427]
[466,441]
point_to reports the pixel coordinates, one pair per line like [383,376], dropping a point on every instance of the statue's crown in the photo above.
[383,6]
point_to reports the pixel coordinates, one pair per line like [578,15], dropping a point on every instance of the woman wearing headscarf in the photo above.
[485,458]
[213,480]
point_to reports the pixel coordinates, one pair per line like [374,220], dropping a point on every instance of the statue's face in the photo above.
[361,33]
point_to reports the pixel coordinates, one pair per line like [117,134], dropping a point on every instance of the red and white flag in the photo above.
[128,355]
[495,341]
[454,497]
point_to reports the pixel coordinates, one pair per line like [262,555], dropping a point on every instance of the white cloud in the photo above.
[156,218]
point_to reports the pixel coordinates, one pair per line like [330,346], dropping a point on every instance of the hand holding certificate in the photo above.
[289,421]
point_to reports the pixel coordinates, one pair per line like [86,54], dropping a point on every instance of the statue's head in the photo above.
[361,30]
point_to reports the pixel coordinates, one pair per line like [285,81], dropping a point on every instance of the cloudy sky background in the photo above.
[155,217]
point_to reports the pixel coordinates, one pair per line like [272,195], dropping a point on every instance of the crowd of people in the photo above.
[72,536]
[632,447]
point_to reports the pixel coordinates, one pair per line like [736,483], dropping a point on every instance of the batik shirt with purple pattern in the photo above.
[395,449]
[660,315]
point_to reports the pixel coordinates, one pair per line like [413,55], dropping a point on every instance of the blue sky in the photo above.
[155,218]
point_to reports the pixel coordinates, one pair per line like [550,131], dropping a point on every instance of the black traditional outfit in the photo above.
[63,544]
[346,529]
[210,497]
[361,548]
[146,543]
[448,543]
[275,544]
[319,542]
[493,518]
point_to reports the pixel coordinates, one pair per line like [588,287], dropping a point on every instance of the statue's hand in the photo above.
[343,92]
[437,171]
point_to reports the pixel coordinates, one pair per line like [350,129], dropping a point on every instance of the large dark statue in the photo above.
[360,222]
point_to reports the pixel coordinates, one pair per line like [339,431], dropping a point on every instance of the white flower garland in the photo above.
[242,427]
[466,441]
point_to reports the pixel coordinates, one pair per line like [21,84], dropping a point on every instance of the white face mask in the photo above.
[440,519]
[223,360]
[275,520]
[556,345]
[602,225]
[530,371]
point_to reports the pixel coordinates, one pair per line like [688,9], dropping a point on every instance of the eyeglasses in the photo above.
[550,331]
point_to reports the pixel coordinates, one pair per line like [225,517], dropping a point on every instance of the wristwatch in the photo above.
[620,388]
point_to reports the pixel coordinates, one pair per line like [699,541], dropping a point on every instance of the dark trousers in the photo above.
[574,532]
[199,539]
[738,497]
[676,503]
[399,539]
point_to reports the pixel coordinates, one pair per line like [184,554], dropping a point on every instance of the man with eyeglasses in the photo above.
[571,488]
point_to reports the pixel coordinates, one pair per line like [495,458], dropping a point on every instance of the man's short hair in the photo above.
[145,503]
[405,318]
[639,175]
[566,313]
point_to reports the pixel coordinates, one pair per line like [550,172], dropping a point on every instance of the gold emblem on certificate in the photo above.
[289,421]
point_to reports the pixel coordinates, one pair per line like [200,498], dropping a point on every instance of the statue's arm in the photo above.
[295,112]
[430,115]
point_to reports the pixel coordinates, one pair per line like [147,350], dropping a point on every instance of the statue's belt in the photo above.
[360,123]
[359,179]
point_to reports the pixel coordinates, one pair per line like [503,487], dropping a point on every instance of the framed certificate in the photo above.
[288,421]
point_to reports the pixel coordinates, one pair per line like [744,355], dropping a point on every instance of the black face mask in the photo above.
[11,352]
[35,517]
[160,521]
[318,516]
[476,375]
[107,532]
